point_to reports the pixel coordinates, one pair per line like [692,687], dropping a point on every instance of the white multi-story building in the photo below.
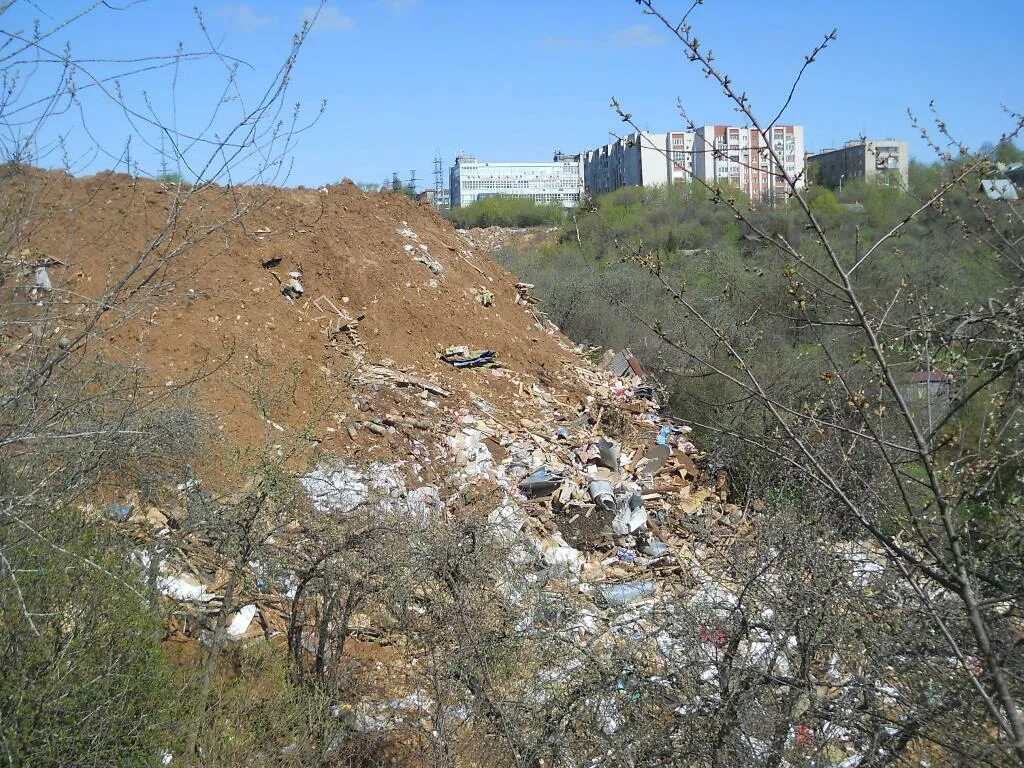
[560,181]
[638,160]
[739,155]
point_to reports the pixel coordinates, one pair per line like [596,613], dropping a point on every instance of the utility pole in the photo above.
[163,160]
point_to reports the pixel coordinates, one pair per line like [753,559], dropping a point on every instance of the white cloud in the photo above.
[328,18]
[244,17]
[560,43]
[636,36]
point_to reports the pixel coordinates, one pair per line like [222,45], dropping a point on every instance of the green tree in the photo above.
[824,202]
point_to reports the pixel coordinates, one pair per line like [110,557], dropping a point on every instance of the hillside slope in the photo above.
[215,317]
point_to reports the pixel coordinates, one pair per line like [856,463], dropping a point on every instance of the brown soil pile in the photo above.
[215,313]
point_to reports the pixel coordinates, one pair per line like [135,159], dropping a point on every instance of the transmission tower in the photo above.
[438,179]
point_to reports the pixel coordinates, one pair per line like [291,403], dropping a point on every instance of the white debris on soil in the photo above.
[240,621]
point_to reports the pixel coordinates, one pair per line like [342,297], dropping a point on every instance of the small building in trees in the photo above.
[929,394]
[885,161]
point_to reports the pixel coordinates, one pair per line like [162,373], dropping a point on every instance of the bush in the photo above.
[507,211]
[86,682]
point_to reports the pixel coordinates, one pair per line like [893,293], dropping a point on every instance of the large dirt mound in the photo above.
[221,320]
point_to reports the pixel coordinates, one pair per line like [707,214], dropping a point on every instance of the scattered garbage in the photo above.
[292,289]
[668,430]
[557,552]
[627,592]
[463,357]
[118,511]
[43,280]
[653,548]
[431,264]
[344,489]
[603,494]
[631,515]
[240,621]
[541,483]
[484,295]
[608,454]
[472,456]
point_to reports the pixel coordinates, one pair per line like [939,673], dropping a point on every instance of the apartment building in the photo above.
[680,155]
[885,161]
[636,160]
[741,156]
[560,181]
[639,160]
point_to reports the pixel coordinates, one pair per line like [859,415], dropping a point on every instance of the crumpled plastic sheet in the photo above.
[344,489]
[177,587]
[556,551]
[240,621]
[472,455]
[541,482]
[631,515]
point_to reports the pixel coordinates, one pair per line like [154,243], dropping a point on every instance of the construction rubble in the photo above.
[422,376]
[607,495]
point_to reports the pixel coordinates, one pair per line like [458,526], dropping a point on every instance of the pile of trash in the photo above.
[494,238]
[608,490]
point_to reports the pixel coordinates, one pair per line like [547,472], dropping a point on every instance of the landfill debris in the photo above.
[668,430]
[431,264]
[631,516]
[626,593]
[378,373]
[484,295]
[43,280]
[472,456]
[344,489]
[463,357]
[653,548]
[603,494]
[292,288]
[541,483]
[608,454]
[523,295]
[182,587]
[240,622]
[118,511]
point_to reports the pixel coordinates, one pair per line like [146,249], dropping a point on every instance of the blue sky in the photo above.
[516,79]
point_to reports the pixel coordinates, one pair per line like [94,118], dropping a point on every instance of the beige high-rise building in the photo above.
[740,156]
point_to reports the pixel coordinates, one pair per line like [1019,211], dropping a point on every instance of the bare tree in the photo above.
[71,416]
[934,486]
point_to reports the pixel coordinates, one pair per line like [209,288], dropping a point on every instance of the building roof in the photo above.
[933,376]
[999,189]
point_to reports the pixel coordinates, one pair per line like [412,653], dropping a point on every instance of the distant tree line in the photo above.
[506,211]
